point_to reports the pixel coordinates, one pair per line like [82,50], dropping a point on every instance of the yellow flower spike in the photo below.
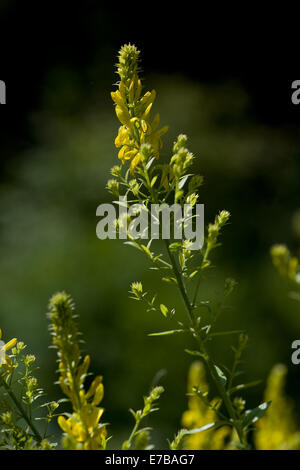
[83,424]
[133,111]
[198,415]
[277,429]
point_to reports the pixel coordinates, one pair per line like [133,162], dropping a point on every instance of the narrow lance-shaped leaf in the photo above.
[251,416]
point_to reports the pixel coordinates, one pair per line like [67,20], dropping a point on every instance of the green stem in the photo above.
[208,359]
[180,284]
[133,433]
[37,435]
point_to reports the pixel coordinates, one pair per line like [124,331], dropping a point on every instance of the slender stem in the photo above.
[199,279]
[208,360]
[133,433]
[189,308]
[180,284]
[37,435]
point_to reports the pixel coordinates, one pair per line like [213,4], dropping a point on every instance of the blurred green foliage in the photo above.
[48,241]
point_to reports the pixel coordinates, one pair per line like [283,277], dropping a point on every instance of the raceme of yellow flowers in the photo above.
[83,428]
[277,430]
[198,415]
[133,111]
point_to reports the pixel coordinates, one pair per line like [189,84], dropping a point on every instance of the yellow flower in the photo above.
[4,359]
[133,111]
[277,430]
[83,429]
[199,414]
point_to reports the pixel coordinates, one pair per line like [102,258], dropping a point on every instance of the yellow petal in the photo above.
[117,98]
[138,89]
[162,131]
[122,153]
[10,344]
[98,395]
[91,415]
[123,114]
[147,112]
[122,90]
[64,424]
[148,98]
[144,125]
[96,382]
[122,137]
[83,368]
[135,162]
[155,122]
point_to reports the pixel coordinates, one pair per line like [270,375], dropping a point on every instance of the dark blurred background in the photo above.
[229,88]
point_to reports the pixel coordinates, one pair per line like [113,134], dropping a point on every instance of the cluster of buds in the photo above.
[113,187]
[214,229]
[182,158]
[136,290]
[286,264]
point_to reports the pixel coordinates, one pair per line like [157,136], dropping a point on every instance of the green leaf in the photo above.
[193,353]
[170,280]
[237,388]
[164,310]
[181,259]
[251,416]
[203,428]
[153,181]
[146,250]
[134,244]
[221,375]
[174,246]
[193,274]
[164,333]
[150,163]
[223,333]
[183,181]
